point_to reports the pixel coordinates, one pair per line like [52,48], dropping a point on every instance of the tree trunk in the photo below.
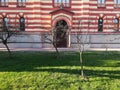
[80,56]
[81,62]
[9,52]
[56,49]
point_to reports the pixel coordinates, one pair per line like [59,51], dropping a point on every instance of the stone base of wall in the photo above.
[24,41]
[90,41]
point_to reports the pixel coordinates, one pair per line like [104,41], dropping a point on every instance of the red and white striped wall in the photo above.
[41,13]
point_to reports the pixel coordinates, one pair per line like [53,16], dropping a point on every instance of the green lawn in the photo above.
[42,71]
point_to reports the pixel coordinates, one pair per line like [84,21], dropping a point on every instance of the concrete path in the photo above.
[60,49]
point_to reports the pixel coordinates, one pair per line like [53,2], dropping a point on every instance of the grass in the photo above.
[42,71]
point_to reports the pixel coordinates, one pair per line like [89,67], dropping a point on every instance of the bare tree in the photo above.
[61,30]
[81,41]
[6,32]
[52,39]
[115,29]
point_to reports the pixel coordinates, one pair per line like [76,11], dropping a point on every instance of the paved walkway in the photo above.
[60,49]
[39,49]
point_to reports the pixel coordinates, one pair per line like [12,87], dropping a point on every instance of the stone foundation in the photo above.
[99,40]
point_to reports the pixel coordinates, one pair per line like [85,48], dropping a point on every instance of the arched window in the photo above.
[58,3]
[116,24]
[22,24]
[100,24]
[5,23]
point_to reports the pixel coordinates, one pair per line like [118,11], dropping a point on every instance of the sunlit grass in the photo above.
[42,71]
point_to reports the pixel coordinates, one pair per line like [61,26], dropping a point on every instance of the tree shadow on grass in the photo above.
[100,59]
[38,61]
[96,73]
[66,59]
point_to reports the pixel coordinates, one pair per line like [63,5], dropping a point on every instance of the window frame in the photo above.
[21,3]
[101,4]
[61,5]
[4,3]
[117,4]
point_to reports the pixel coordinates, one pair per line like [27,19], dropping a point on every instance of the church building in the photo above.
[98,18]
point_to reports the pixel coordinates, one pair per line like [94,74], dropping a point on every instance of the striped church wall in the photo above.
[109,13]
[37,14]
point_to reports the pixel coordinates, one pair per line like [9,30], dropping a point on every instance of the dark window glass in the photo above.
[22,24]
[5,23]
[100,24]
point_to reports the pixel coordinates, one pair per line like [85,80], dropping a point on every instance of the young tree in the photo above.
[115,29]
[51,36]
[6,32]
[51,39]
[81,41]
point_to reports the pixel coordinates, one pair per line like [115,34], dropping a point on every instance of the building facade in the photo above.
[99,18]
